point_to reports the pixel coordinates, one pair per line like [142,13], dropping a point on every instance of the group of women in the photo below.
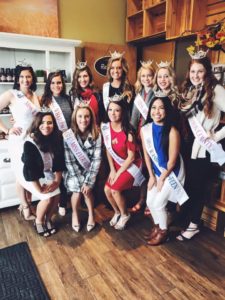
[56,142]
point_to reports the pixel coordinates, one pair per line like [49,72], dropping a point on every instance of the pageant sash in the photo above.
[105,94]
[217,154]
[134,171]
[76,149]
[178,191]
[47,161]
[58,114]
[141,106]
[23,99]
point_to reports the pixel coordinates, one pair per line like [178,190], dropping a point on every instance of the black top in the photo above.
[66,107]
[34,165]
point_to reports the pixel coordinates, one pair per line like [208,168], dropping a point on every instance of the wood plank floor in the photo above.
[107,264]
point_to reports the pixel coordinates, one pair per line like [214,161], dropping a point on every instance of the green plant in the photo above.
[40,73]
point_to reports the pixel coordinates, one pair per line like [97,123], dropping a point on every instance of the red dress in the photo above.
[120,146]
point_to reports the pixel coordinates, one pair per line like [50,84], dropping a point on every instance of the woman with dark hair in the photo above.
[82,145]
[201,104]
[161,145]
[124,160]
[59,102]
[24,104]
[43,159]
[83,90]
[118,84]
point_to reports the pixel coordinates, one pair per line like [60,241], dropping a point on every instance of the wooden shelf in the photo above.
[133,7]
[154,19]
[152,3]
[134,27]
[184,16]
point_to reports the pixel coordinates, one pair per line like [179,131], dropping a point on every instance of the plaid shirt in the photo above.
[76,175]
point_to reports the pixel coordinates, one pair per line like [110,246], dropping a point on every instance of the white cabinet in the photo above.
[8,195]
[49,54]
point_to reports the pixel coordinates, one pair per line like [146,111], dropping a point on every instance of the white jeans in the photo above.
[156,202]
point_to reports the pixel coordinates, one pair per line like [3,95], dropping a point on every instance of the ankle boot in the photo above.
[152,233]
[159,238]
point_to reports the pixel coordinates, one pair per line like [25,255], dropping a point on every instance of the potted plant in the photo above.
[40,75]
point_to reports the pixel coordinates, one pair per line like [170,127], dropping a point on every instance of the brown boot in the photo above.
[159,238]
[152,233]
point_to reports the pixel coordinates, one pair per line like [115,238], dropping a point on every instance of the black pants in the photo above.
[63,195]
[198,175]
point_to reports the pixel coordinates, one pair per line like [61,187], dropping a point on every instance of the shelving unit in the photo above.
[184,17]
[154,16]
[148,18]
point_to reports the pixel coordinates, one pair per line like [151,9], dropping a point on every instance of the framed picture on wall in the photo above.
[29,17]
[218,71]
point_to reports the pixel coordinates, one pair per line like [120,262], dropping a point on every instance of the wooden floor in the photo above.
[107,264]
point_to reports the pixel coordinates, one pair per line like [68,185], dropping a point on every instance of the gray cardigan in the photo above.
[135,117]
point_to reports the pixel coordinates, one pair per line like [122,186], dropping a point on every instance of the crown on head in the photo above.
[116,55]
[198,54]
[160,94]
[45,109]
[164,64]
[146,64]
[81,64]
[23,63]
[115,98]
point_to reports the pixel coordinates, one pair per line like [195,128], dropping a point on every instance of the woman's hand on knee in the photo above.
[86,189]
[151,182]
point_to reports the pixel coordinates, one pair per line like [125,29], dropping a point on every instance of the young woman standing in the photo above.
[83,91]
[24,105]
[118,84]
[202,103]
[143,98]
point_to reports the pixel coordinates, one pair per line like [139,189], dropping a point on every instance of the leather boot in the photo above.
[159,238]
[152,233]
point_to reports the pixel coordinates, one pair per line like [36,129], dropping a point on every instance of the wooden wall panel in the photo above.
[163,51]
[215,11]
[93,51]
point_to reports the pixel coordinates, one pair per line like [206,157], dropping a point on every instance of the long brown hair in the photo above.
[92,127]
[48,143]
[46,99]
[76,89]
[209,83]
[125,84]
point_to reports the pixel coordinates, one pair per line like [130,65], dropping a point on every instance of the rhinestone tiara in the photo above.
[115,98]
[160,94]
[199,54]
[81,64]
[163,64]
[116,55]
[146,64]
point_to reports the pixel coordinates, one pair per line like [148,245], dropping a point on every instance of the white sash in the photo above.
[177,189]
[141,106]
[134,171]
[59,117]
[47,160]
[105,94]
[76,149]
[217,154]
[31,107]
